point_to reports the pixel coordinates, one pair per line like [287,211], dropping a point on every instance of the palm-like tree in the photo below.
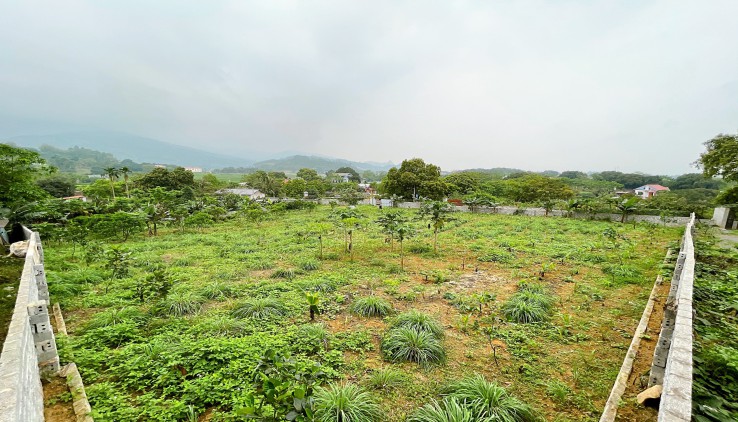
[125,171]
[438,213]
[112,173]
[403,231]
[390,221]
[626,207]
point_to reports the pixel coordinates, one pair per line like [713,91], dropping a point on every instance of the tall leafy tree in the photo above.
[354,174]
[415,179]
[308,175]
[19,168]
[269,183]
[721,159]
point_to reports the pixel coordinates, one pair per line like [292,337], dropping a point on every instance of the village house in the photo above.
[649,191]
[252,194]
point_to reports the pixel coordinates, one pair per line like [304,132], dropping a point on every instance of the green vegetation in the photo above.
[489,402]
[10,272]
[418,321]
[409,345]
[715,386]
[371,306]
[191,321]
[345,403]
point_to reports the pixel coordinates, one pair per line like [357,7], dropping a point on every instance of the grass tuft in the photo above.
[259,308]
[345,403]
[371,306]
[406,344]
[489,401]
[387,378]
[182,303]
[418,321]
[449,410]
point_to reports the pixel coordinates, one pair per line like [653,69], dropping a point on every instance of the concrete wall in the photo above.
[30,347]
[724,217]
[676,337]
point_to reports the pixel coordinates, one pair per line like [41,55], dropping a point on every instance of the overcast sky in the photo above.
[557,84]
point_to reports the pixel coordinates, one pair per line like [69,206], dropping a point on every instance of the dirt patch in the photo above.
[58,401]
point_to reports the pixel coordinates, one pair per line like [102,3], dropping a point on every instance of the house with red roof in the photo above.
[649,191]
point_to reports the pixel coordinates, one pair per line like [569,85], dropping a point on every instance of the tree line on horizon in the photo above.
[30,178]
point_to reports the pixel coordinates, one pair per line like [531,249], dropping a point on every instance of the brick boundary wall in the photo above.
[29,350]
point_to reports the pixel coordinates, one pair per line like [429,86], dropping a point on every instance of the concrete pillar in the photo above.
[724,217]
[43,336]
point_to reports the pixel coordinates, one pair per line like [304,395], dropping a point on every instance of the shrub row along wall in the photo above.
[540,212]
[533,212]
[672,364]
[30,346]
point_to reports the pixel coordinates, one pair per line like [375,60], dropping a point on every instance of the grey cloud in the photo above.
[532,84]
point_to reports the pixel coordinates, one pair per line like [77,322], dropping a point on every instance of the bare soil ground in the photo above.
[58,401]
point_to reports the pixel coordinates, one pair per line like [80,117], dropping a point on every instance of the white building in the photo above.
[649,191]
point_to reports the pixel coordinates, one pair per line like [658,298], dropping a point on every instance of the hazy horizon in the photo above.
[536,85]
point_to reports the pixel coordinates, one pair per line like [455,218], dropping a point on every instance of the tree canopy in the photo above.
[415,177]
[177,179]
[354,174]
[19,168]
[721,157]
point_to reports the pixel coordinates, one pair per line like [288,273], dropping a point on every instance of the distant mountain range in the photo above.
[147,150]
[320,164]
[133,147]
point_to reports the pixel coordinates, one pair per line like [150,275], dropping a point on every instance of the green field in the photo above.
[152,352]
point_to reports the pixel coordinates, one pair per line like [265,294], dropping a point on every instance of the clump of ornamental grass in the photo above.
[489,402]
[405,344]
[345,403]
[386,378]
[448,410]
[418,321]
[259,308]
[371,306]
[182,303]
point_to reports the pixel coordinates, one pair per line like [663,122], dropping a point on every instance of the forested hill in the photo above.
[132,147]
[320,164]
[83,160]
